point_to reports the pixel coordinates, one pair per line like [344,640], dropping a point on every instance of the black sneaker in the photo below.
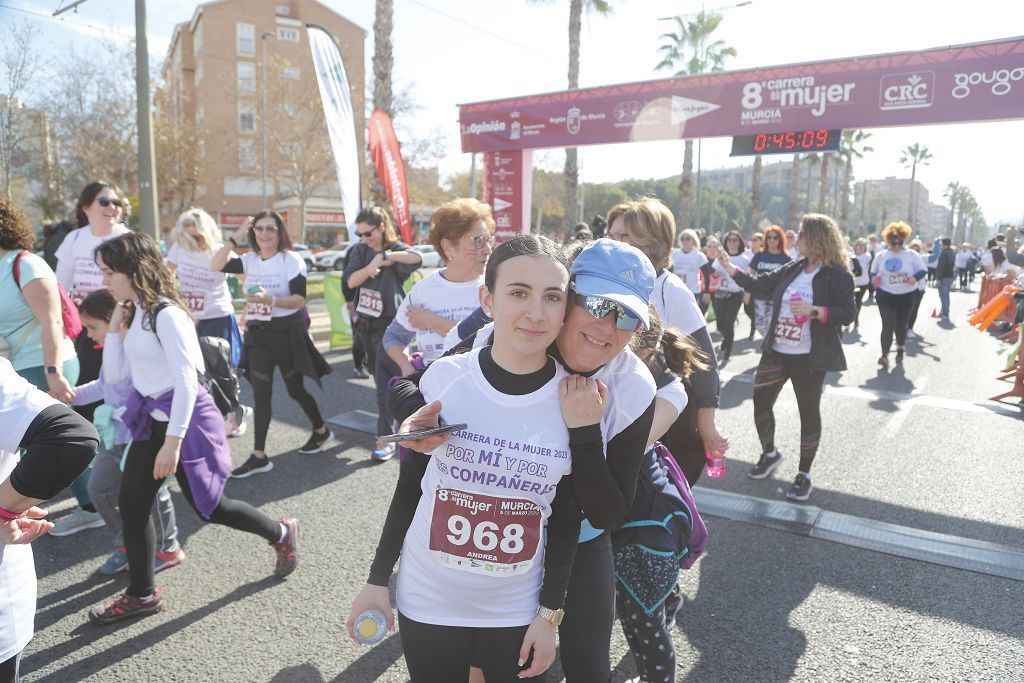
[801,488]
[318,442]
[765,465]
[252,466]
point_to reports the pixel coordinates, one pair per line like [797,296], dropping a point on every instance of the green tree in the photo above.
[911,156]
[755,196]
[953,193]
[576,9]
[853,147]
[688,51]
[794,194]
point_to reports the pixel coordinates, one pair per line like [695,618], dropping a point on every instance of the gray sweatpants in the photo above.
[104,488]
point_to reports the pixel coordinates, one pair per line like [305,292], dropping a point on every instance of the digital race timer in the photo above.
[787,142]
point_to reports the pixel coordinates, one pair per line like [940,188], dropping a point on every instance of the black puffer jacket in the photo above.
[833,289]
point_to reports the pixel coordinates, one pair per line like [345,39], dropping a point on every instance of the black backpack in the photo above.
[219,379]
[856,267]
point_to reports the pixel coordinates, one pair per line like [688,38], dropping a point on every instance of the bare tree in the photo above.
[178,169]
[90,100]
[21,129]
[299,154]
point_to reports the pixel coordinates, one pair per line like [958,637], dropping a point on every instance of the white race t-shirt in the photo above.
[896,270]
[20,403]
[792,337]
[77,271]
[473,555]
[273,275]
[962,257]
[727,284]
[986,262]
[865,267]
[687,267]
[451,300]
[676,304]
[204,290]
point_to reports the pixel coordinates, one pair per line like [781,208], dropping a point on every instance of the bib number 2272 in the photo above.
[484,534]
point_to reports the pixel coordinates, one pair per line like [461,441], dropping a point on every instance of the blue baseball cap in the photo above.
[618,272]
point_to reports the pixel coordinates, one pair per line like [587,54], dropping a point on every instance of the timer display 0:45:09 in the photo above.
[807,139]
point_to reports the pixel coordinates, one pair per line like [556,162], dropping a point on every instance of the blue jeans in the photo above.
[945,284]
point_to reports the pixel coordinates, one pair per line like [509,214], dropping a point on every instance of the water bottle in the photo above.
[798,319]
[715,464]
[371,627]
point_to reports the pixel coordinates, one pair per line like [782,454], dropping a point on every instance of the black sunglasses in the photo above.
[106,201]
[366,234]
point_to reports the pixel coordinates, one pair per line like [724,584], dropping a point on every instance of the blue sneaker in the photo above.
[117,562]
[384,453]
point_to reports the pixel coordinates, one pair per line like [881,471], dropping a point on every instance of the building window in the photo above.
[282,10]
[291,72]
[197,40]
[246,77]
[246,34]
[246,118]
[246,155]
[200,112]
[289,34]
[199,72]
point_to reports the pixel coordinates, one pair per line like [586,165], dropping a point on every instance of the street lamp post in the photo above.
[149,214]
[263,114]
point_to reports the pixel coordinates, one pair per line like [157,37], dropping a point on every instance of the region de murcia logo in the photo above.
[515,132]
[906,90]
[572,120]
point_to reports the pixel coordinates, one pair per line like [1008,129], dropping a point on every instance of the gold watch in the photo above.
[552,616]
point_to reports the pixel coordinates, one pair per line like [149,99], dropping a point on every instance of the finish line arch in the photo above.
[955,84]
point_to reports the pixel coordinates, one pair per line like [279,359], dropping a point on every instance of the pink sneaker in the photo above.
[162,560]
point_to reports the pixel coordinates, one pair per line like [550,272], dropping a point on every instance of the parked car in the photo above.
[431,259]
[305,253]
[333,258]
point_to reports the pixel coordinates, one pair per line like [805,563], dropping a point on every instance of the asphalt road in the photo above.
[911,446]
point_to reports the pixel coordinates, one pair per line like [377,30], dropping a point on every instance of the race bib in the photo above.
[256,311]
[899,279]
[788,332]
[482,534]
[370,303]
[196,302]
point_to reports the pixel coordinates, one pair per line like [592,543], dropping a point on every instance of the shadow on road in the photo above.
[88,633]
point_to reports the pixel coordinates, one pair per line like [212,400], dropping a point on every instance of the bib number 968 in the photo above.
[485,535]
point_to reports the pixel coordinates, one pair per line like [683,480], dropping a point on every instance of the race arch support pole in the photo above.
[149,214]
[508,188]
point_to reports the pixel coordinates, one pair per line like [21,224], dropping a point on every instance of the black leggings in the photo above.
[442,654]
[964,274]
[895,312]
[586,632]
[748,308]
[382,368]
[772,373]
[915,307]
[9,669]
[726,310]
[858,296]
[649,636]
[138,491]
[270,349]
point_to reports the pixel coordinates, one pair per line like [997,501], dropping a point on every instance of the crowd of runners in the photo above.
[582,377]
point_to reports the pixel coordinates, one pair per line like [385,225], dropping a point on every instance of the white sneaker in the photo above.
[239,427]
[77,521]
[912,335]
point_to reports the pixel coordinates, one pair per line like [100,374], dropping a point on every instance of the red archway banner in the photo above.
[387,158]
[976,82]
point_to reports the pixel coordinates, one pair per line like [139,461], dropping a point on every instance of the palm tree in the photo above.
[811,160]
[953,193]
[755,196]
[912,156]
[853,148]
[822,182]
[383,65]
[794,193]
[688,47]
[576,8]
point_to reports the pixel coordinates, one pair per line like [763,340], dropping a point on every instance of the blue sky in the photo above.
[455,51]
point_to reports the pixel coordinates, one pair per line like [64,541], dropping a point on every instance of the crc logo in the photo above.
[515,132]
[907,90]
[572,120]
[1001,81]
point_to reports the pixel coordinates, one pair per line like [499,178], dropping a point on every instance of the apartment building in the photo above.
[29,155]
[213,81]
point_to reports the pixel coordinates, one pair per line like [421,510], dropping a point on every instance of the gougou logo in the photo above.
[572,120]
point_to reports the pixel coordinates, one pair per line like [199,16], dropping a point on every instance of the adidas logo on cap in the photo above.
[628,275]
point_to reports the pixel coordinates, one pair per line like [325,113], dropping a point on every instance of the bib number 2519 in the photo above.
[483,534]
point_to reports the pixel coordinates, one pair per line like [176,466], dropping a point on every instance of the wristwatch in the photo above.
[814,312]
[552,616]
[51,369]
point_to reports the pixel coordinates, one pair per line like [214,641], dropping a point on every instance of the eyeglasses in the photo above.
[481,241]
[264,228]
[107,201]
[367,233]
[772,237]
[599,307]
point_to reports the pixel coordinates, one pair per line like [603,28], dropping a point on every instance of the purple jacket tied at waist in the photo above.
[204,450]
